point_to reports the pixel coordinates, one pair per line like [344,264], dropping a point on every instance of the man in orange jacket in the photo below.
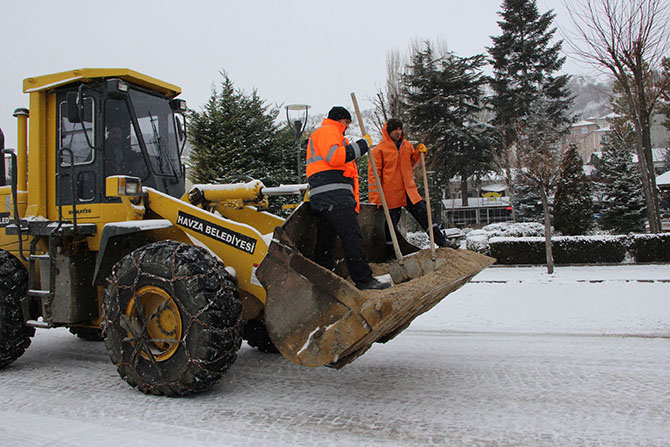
[333,195]
[395,159]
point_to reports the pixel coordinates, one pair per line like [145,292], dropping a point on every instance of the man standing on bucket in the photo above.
[395,159]
[333,195]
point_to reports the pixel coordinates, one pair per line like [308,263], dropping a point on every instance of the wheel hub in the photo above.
[155,315]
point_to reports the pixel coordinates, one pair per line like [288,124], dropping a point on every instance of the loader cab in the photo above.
[114,127]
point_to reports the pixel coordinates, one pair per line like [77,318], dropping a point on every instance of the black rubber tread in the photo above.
[87,333]
[14,334]
[210,311]
[256,335]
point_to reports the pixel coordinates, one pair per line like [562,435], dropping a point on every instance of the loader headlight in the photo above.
[178,105]
[132,187]
[116,88]
[120,185]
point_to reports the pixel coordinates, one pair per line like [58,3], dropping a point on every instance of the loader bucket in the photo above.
[316,317]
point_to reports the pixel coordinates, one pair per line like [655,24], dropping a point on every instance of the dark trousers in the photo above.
[419,211]
[341,222]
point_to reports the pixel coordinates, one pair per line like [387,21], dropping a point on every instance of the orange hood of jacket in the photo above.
[396,172]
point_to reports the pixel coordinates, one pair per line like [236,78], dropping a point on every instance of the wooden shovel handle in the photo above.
[371,158]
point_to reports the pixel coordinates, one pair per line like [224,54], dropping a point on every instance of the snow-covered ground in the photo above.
[514,358]
[613,300]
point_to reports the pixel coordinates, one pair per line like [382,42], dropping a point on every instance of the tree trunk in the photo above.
[647,174]
[464,190]
[643,137]
[510,188]
[547,232]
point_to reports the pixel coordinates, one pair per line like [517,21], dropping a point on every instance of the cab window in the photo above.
[73,136]
[123,153]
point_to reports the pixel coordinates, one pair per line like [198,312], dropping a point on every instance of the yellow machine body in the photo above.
[70,216]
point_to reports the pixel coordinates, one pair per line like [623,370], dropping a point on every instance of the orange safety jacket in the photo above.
[396,172]
[326,151]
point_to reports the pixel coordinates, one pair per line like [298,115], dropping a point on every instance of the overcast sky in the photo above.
[290,51]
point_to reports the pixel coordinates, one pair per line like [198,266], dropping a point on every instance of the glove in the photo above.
[367,138]
[421,148]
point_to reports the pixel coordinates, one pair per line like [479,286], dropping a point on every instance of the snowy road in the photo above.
[515,358]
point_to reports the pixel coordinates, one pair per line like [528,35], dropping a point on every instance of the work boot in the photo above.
[440,239]
[372,283]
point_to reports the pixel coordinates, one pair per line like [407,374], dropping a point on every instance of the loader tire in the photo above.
[14,334]
[87,333]
[171,318]
[256,335]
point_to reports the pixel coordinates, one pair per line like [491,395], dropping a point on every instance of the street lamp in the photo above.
[296,116]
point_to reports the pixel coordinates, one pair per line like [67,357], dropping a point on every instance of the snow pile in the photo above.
[519,229]
[478,240]
[596,237]
[418,239]
[421,239]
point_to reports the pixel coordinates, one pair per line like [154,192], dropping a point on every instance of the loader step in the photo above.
[38,293]
[38,324]
[45,228]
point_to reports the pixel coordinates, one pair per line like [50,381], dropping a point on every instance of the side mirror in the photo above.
[73,110]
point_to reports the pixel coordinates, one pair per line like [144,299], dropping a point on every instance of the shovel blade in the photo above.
[412,267]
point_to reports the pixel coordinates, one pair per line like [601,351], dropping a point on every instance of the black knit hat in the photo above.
[339,113]
[393,124]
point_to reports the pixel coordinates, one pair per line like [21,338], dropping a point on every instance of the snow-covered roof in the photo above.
[584,123]
[663,179]
[476,202]
[494,187]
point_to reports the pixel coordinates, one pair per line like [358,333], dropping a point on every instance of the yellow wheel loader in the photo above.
[99,235]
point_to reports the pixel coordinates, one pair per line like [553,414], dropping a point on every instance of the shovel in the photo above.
[400,270]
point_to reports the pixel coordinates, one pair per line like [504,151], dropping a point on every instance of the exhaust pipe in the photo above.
[3,182]
[22,149]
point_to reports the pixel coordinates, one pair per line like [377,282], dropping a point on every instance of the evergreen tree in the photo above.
[234,138]
[526,203]
[525,66]
[443,97]
[619,189]
[573,205]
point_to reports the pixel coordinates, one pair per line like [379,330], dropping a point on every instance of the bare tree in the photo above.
[390,101]
[537,159]
[629,38]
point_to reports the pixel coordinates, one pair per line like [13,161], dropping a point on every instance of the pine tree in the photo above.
[444,96]
[526,203]
[234,138]
[573,205]
[525,66]
[619,189]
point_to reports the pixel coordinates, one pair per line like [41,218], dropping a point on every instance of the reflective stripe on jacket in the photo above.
[396,172]
[328,151]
